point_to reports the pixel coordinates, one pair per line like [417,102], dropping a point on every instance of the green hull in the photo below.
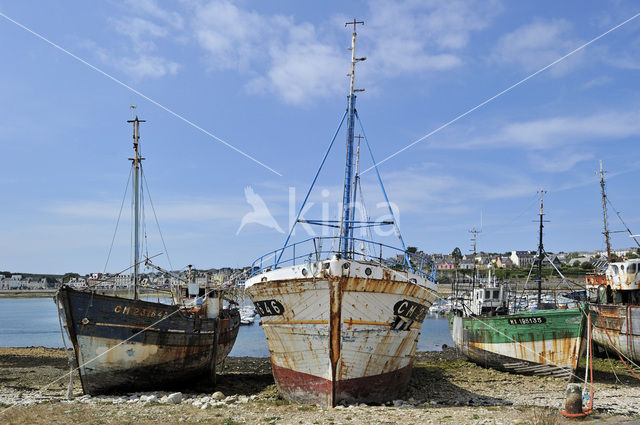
[547,342]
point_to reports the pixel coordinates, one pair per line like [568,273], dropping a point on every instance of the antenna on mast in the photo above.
[602,172]
[354,60]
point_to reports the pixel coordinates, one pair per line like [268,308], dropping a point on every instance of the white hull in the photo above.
[343,335]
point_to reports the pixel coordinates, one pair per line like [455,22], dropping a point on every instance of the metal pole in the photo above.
[346,225]
[604,211]
[136,202]
[540,250]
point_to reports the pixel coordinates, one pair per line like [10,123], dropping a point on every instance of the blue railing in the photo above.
[321,248]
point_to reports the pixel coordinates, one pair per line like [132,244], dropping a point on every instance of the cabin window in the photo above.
[631,268]
[487,295]
[614,269]
[496,294]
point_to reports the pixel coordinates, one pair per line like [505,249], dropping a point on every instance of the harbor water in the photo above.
[26,322]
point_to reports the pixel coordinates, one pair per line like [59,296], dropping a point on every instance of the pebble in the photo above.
[217,395]
[175,398]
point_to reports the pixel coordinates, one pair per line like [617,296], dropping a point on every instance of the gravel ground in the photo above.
[444,389]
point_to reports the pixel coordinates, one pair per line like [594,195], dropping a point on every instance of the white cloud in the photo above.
[303,67]
[152,9]
[414,36]
[233,37]
[148,66]
[187,210]
[535,45]
[597,82]
[289,59]
[138,57]
[560,160]
[553,132]
[140,31]
[299,61]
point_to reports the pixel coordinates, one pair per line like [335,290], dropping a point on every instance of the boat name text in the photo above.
[137,311]
[410,309]
[269,308]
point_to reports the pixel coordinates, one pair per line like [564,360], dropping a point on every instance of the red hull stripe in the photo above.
[305,388]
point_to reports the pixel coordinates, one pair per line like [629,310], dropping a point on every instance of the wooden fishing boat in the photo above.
[616,308]
[541,342]
[614,293]
[342,315]
[129,344]
[124,345]
[493,333]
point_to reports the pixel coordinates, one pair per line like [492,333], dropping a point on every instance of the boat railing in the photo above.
[320,248]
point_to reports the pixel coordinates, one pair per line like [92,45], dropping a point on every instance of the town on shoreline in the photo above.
[510,265]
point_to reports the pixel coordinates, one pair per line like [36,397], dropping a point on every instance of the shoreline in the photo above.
[444,388]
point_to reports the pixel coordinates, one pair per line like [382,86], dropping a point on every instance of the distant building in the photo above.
[466,264]
[551,259]
[445,265]
[504,262]
[521,258]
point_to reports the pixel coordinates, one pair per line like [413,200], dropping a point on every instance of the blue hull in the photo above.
[125,345]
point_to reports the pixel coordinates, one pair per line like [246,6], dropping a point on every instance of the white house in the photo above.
[522,258]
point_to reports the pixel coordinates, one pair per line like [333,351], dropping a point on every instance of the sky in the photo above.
[242,98]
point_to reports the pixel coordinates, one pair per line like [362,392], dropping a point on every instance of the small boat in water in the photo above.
[342,315]
[129,344]
[544,340]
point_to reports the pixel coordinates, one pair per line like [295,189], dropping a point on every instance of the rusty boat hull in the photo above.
[542,342]
[616,328]
[124,345]
[341,331]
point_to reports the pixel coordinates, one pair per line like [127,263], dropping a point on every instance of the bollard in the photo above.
[573,403]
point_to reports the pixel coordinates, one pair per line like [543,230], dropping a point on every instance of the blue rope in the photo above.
[384,192]
[310,189]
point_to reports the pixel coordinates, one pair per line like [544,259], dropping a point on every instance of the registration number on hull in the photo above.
[534,320]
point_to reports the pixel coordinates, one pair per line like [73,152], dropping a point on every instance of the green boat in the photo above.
[542,342]
[545,340]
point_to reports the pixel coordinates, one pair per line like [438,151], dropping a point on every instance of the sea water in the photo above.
[27,322]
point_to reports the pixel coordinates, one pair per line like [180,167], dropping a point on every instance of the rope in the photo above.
[144,178]
[304,202]
[396,227]
[124,197]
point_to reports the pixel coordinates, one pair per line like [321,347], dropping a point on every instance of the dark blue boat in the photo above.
[124,344]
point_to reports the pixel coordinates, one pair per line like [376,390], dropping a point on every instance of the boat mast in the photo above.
[136,160]
[475,232]
[604,211]
[346,225]
[540,249]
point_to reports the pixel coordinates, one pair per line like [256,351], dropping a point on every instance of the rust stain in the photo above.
[335,332]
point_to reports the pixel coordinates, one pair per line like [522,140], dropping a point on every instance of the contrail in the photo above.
[508,89]
[159,105]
